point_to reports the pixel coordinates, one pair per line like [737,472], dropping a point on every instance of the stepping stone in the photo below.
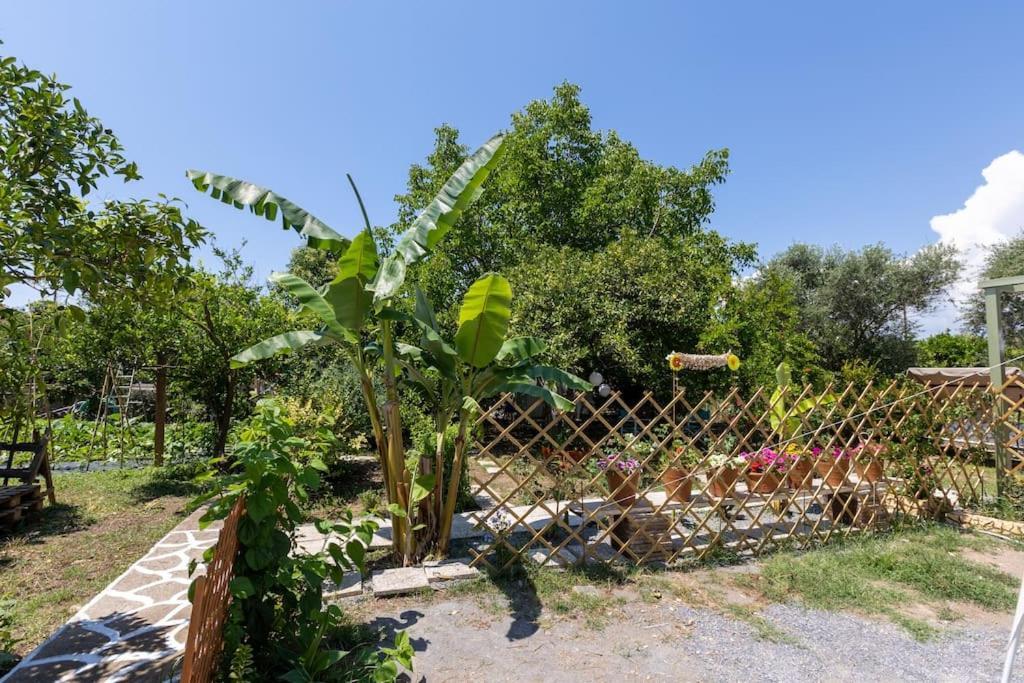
[451,570]
[399,580]
[351,586]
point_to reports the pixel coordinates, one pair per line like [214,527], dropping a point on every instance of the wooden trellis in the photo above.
[901,451]
[210,603]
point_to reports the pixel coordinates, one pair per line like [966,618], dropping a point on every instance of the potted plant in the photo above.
[623,473]
[832,466]
[723,469]
[765,469]
[799,466]
[677,477]
[868,460]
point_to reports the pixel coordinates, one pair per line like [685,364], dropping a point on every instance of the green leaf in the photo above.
[483,320]
[310,300]
[242,587]
[560,378]
[281,343]
[424,311]
[434,222]
[266,203]
[356,552]
[550,397]
[347,293]
[421,487]
[521,348]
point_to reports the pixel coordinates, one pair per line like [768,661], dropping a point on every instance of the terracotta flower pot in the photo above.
[871,471]
[763,482]
[678,484]
[832,470]
[576,456]
[801,474]
[621,487]
[721,483]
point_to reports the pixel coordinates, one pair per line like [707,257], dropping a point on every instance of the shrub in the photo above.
[278,625]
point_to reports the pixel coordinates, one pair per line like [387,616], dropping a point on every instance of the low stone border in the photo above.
[970,520]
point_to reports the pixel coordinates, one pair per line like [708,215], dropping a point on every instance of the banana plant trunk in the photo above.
[452,495]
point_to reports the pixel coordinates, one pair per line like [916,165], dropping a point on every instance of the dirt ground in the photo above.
[709,625]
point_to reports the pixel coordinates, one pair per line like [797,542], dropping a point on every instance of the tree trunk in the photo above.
[224,416]
[160,419]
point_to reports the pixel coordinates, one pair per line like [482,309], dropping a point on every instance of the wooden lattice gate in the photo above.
[730,473]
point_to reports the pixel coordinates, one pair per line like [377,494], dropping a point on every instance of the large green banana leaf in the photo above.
[460,191]
[347,293]
[282,343]
[483,320]
[311,301]
[267,203]
[521,349]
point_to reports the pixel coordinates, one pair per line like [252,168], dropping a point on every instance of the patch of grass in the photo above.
[763,629]
[103,521]
[875,574]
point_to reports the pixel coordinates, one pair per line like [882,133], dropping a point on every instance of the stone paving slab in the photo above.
[399,580]
[134,628]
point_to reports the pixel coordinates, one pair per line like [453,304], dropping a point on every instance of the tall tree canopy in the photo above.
[52,155]
[1004,259]
[561,184]
[862,304]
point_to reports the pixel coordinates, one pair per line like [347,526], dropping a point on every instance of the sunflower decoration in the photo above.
[695,361]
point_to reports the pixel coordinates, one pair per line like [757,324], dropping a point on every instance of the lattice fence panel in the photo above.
[210,603]
[696,479]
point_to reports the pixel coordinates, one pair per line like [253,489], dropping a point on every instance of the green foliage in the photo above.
[947,350]
[1004,259]
[862,304]
[54,154]
[278,610]
[621,309]
[7,640]
[561,184]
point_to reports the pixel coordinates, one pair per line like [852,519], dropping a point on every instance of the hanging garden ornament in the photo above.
[696,361]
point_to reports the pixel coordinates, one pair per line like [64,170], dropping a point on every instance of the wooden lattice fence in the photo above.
[840,461]
[210,602]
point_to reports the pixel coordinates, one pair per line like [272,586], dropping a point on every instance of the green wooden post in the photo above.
[997,373]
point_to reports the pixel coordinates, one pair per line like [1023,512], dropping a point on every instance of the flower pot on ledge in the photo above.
[801,474]
[722,482]
[763,482]
[622,487]
[678,484]
[833,470]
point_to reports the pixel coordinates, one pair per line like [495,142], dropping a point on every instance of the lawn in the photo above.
[103,521]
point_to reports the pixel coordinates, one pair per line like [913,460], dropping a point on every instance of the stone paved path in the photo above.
[134,629]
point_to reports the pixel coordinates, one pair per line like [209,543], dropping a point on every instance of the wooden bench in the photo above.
[26,497]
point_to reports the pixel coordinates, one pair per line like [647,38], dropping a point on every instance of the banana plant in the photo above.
[354,308]
[787,422]
[480,362]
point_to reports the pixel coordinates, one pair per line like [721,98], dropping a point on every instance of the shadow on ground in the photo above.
[142,654]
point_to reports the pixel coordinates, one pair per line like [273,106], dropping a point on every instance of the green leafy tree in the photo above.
[948,350]
[562,184]
[621,309]
[54,155]
[759,319]
[1004,259]
[862,304]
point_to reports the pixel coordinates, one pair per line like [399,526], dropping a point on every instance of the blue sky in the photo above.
[848,123]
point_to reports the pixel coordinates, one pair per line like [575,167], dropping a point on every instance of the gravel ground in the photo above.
[458,639]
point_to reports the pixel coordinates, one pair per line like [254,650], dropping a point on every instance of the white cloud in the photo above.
[993,213]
